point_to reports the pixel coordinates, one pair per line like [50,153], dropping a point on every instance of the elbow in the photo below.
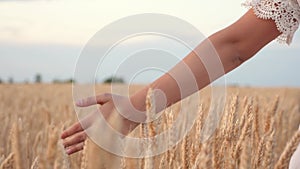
[243,48]
[240,53]
[233,48]
[232,53]
[245,38]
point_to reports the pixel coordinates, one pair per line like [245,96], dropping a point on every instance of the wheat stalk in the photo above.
[245,132]
[84,156]
[9,162]
[15,145]
[267,164]
[245,158]
[271,115]
[35,164]
[290,148]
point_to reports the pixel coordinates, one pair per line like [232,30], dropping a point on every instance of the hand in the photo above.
[113,106]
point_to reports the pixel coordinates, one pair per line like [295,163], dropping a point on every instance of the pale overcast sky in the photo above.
[47,36]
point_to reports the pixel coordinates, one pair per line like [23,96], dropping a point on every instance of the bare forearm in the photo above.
[190,74]
[234,45]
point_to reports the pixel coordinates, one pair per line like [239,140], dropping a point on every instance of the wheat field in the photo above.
[258,129]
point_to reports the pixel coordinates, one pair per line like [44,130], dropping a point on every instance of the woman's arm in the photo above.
[234,44]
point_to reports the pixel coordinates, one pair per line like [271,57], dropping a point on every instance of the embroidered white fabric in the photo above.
[285,13]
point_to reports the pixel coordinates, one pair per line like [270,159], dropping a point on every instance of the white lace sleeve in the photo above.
[285,13]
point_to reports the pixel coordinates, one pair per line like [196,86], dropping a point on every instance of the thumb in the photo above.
[99,99]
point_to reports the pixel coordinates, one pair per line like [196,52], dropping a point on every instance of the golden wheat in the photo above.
[253,122]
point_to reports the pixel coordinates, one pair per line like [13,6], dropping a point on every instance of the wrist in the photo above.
[158,99]
[138,99]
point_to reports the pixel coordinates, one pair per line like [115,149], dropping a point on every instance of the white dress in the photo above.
[285,13]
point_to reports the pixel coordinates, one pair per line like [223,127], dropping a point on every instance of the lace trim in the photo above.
[285,13]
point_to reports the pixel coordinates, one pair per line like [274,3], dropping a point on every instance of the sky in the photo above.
[48,36]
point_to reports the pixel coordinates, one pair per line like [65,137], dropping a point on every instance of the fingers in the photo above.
[100,99]
[79,126]
[72,130]
[75,135]
[75,148]
[75,139]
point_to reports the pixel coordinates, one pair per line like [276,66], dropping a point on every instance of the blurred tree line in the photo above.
[39,79]
[114,79]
